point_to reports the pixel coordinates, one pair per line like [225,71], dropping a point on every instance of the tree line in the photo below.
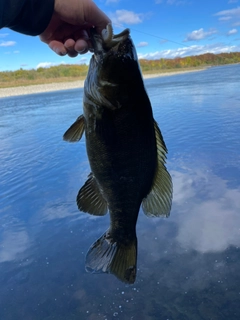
[60,71]
[71,72]
[203,60]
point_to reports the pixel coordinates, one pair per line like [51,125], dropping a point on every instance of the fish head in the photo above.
[114,63]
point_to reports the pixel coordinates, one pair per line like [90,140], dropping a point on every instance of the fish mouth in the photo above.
[110,40]
[107,41]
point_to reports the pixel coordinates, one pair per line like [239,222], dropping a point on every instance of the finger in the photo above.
[84,51]
[81,46]
[58,47]
[96,17]
[69,44]
[72,54]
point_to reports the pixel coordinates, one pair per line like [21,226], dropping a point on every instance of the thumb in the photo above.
[95,17]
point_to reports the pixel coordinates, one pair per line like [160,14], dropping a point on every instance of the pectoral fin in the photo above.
[90,198]
[75,132]
[158,202]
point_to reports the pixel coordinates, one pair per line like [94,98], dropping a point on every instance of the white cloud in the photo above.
[204,220]
[212,224]
[10,52]
[164,41]
[176,2]
[48,64]
[210,232]
[227,18]
[13,243]
[7,43]
[231,32]
[232,1]
[236,24]
[199,34]
[3,35]
[45,65]
[229,13]
[112,1]
[58,212]
[189,51]
[142,44]
[84,60]
[172,2]
[121,17]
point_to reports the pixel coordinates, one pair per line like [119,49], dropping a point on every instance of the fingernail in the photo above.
[84,50]
[81,51]
[59,52]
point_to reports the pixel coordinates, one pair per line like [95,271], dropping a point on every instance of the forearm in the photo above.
[26,16]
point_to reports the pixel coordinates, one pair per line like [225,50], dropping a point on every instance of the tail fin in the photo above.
[107,255]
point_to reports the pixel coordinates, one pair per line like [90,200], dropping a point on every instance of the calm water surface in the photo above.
[188,264]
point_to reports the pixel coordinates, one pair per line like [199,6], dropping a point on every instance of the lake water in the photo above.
[188,264]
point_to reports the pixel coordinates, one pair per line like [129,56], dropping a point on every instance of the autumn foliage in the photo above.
[75,72]
[207,59]
[61,71]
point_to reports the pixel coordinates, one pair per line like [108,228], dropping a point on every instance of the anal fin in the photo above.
[90,198]
[159,200]
[75,132]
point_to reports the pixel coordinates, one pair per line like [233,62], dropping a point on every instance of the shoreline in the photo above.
[58,86]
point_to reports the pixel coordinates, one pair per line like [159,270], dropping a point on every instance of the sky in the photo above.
[159,29]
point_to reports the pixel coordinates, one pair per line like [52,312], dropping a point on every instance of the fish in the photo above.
[126,153]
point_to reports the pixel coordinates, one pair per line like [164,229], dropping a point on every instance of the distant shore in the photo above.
[48,87]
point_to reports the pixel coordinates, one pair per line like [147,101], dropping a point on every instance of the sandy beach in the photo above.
[48,87]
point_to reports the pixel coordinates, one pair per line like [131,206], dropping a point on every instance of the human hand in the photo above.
[67,32]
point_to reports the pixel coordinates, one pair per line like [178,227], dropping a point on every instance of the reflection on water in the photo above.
[211,222]
[188,265]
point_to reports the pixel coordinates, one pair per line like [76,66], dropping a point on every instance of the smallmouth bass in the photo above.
[126,152]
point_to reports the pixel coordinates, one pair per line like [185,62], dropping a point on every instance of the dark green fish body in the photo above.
[122,153]
[126,153]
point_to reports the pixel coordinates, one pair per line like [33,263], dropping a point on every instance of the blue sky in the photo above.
[159,29]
